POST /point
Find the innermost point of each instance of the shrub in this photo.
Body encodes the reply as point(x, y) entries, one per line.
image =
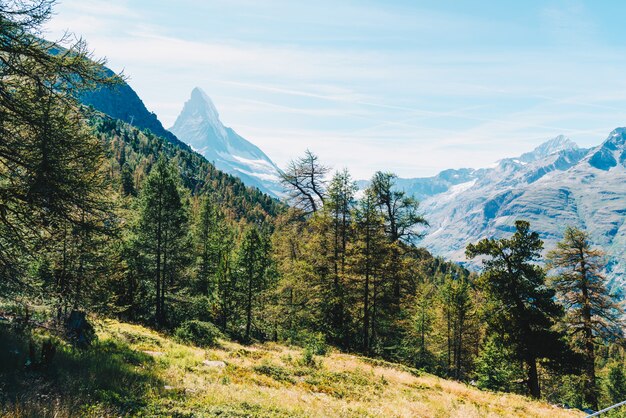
point(308, 357)
point(274, 371)
point(199, 333)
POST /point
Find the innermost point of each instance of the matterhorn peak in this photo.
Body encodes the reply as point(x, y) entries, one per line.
point(200, 105)
point(199, 126)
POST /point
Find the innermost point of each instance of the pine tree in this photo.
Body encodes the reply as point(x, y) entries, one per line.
point(208, 237)
point(496, 366)
point(369, 250)
point(456, 305)
point(421, 327)
point(253, 264)
point(525, 307)
point(401, 216)
point(162, 231)
point(616, 384)
point(339, 207)
point(592, 313)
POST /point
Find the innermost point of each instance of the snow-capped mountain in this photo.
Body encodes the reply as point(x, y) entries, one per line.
point(556, 185)
point(199, 126)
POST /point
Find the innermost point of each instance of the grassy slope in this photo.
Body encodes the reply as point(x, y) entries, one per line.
point(162, 378)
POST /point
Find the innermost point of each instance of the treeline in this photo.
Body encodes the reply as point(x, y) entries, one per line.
point(97, 216)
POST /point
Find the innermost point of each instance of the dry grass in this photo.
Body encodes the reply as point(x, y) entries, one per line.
point(272, 381)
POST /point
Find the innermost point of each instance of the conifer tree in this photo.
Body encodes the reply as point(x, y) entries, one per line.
point(49, 160)
point(162, 231)
point(339, 207)
point(525, 310)
point(369, 250)
point(592, 313)
point(253, 267)
point(305, 181)
point(402, 218)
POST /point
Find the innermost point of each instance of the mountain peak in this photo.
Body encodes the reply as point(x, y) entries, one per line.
point(554, 145)
point(612, 150)
point(616, 139)
point(199, 125)
point(201, 103)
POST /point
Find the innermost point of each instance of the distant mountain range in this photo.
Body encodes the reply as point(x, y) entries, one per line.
point(199, 126)
point(556, 185)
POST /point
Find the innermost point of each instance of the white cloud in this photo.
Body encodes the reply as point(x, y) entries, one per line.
point(415, 108)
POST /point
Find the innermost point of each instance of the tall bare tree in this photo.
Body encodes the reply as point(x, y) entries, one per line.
point(305, 181)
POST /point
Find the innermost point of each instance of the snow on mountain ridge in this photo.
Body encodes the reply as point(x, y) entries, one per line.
point(560, 185)
point(554, 145)
point(199, 125)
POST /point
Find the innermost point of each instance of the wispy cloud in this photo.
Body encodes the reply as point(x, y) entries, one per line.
point(369, 85)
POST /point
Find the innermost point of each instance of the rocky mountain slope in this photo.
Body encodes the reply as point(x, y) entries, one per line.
point(122, 102)
point(199, 126)
point(556, 185)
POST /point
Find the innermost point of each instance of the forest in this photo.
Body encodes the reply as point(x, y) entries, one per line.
point(101, 219)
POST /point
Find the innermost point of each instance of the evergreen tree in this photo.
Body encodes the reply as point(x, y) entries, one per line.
point(253, 267)
point(401, 216)
point(49, 160)
point(616, 383)
point(339, 207)
point(162, 231)
point(421, 327)
point(456, 306)
point(592, 313)
point(208, 237)
point(496, 366)
point(525, 307)
point(369, 250)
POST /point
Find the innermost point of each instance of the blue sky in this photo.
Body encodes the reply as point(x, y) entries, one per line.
point(408, 86)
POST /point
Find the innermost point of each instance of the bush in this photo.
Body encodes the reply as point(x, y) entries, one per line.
point(199, 333)
point(308, 357)
point(275, 371)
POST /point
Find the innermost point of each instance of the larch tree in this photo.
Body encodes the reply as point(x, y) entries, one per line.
point(339, 206)
point(368, 254)
point(402, 218)
point(456, 304)
point(49, 160)
point(162, 230)
point(305, 182)
point(592, 312)
point(253, 266)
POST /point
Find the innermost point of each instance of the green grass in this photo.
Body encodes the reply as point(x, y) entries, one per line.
point(134, 371)
point(108, 378)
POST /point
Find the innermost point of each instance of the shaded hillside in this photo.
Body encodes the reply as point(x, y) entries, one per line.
point(134, 151)
point(122, 102)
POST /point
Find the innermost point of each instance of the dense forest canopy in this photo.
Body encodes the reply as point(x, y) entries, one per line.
point(98, 216)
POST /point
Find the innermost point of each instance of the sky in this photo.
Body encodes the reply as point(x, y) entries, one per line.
point(412, 87)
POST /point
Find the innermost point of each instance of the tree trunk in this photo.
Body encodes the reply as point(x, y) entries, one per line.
point(366, 295)
point(533, 378)
point(249, 307)
point(590, 391)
